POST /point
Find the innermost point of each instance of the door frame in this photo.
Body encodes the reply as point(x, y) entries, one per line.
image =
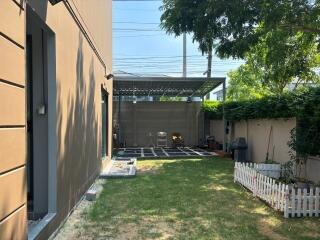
point(104, 93)
point(51, 111)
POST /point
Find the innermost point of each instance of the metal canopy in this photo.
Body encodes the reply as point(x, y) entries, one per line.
point(164, 86)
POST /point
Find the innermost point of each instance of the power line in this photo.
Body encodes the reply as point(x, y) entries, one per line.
point(166, 72)
point(138, 23)
point(191, 61)
point(152, 57)
point(136, 0)
point(137, 36)
point(199, 67)
point(136, 9)
point(198, 60)
point(138, 30)
point(170, 65)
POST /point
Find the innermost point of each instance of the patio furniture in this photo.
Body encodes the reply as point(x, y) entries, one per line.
point(150, 136)
point(162, 139)
point(177, 140)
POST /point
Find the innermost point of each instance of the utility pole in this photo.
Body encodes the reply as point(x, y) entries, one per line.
point(209, 68)
point(184, 74)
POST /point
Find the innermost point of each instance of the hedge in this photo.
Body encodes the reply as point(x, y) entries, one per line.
point(305, 103)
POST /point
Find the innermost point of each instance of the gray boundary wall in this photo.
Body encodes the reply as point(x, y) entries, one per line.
point(142, 118)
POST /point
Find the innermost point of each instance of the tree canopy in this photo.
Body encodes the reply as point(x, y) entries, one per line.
point(238, 25)
point(276, 61)
point(245, 84)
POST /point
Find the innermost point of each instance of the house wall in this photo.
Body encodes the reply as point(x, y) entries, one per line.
point(142, 118)
point(80, 75)
point(81, 68)
point(13, 192)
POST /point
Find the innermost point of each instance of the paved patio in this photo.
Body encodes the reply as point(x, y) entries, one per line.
point(151, 153)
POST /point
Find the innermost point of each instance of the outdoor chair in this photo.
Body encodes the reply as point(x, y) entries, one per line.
point(162, 139)
point(177, 140)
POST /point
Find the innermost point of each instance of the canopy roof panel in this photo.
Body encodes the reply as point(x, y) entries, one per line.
point(164, 86)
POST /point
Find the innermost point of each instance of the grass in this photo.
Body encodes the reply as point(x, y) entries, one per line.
point(187, 199)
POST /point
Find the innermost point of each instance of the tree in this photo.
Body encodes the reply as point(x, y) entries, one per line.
point(236, 25)
point(281, 58)
point(245, 84)
point(275, 62)
point(305, 137)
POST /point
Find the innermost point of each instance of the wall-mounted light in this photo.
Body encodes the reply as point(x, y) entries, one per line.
point(109, 76)
point(53, 2)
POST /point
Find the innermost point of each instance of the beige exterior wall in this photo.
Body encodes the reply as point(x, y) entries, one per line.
point(142, 118)
point(256, 131)
point(80, 75)
point(81, 67)
point(89, 13)
point(13, 221)
point(313, 169)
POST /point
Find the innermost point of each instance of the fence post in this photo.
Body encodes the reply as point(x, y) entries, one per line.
point(305, 200)
point(293, 202)
point(273, 192)
point(254, 183)
point(299, 203)
point(311, 199)
point(283, 198)
point(316, 202)
point(235, 173)
point(286, 202)
point(278, 196)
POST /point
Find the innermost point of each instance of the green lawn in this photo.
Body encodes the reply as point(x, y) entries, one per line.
point(187, 199)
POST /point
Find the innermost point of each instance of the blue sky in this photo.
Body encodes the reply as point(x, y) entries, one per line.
point(141, 47)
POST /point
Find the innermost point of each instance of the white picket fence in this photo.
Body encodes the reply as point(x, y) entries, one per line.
point(292, 202)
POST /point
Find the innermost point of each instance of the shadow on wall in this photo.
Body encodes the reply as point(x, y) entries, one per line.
point(78, 161)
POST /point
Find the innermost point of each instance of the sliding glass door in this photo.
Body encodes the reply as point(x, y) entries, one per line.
point(104, 103)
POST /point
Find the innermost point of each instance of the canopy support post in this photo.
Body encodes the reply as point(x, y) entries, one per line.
point(224, 119)
point(119, 120)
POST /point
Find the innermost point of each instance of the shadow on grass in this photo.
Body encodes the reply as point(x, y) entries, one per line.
point(188, 199)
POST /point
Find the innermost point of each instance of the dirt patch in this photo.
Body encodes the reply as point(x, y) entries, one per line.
point(127, 231)
point(73, 227)
point(148, 227)
point(265, 228)
point(312, 235)
point(148, 170)
point(157, 226)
